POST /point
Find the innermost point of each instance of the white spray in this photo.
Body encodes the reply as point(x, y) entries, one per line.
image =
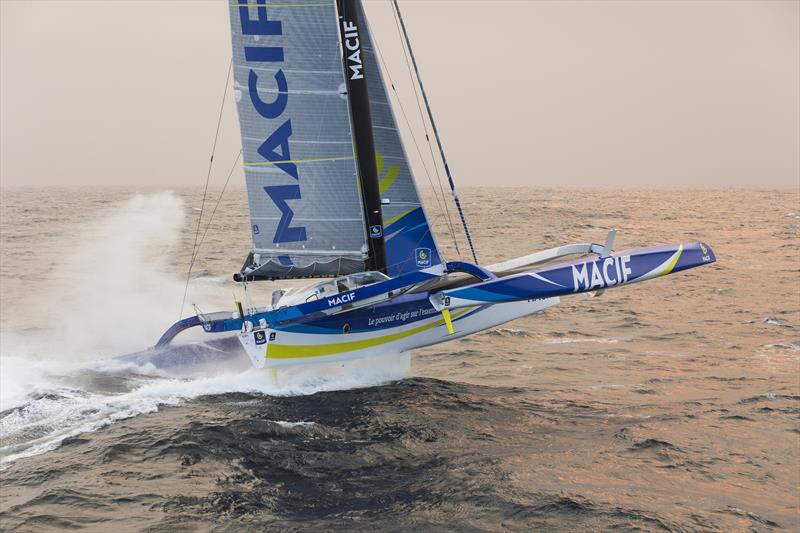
point(110, 292)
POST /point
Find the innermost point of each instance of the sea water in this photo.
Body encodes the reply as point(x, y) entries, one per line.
point(668, 405)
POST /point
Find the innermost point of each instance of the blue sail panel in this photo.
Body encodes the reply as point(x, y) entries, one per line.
point(410, 232)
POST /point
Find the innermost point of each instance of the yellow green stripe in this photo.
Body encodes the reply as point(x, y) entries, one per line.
point(672, 263)
point(398, 217)
point(391, 175)
point(379, 162)
point(288, 351)
point(388, 180)
point(310, 159)
point(284, 4)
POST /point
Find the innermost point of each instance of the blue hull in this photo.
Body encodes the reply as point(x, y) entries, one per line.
point(600, 273)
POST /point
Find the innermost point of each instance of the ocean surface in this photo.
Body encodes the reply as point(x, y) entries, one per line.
point(673, 405)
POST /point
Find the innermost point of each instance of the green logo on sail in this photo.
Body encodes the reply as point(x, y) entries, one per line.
point(423, 257)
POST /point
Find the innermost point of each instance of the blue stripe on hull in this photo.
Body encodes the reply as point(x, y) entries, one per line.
point(588, 275)
point(402, 310)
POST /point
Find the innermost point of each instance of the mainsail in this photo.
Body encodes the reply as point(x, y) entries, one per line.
point(302, 184)
point(307, 190)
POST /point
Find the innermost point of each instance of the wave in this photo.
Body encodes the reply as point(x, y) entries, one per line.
point(65, 400)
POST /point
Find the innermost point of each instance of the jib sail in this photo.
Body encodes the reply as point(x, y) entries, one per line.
point(410, 243)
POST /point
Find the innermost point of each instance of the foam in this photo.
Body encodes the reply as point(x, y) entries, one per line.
point(111, 294)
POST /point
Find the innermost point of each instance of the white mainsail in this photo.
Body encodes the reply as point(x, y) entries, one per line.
point(301, 176)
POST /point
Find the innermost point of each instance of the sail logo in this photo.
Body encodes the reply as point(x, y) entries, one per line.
point(423, 256)
point(275, 148)
point(341, 299)
point(353, 45)
point(606, 272)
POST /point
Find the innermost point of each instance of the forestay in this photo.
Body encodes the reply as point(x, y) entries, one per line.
point(302, 183)
point(410, 244)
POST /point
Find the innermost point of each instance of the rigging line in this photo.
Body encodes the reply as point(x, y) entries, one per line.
point(205, 189)
point(219, 199)
point(425, 128)
point(211, 160)
point(210, 219)
point(439, 202)
point(436, 133)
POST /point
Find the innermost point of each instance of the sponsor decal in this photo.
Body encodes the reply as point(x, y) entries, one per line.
point(605, 272)
point(423, 257)
point(353, 45)
point(375, 231)
point(341, 299)
point(275, 148)
point(706, 257)
point(256, 231)
point(272, 336)
point(392, 319)
point(260, 337)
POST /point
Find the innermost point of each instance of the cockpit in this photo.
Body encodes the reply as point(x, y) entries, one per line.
point(331, 287)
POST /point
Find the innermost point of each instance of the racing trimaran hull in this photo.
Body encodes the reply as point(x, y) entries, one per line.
point(400, 317)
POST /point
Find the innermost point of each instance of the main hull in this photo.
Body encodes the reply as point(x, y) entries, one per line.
point(383, 329)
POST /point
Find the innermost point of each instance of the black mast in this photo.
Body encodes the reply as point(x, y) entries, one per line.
point(355, 77)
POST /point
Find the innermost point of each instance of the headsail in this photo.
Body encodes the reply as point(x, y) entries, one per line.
point(410, 243)
point(302, 184)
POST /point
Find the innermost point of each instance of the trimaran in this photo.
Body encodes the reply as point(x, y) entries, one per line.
point(331, 195)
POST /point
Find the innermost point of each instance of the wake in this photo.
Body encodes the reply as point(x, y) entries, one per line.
point(112, 293)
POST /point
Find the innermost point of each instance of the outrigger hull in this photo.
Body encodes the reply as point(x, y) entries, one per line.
point(603, 272)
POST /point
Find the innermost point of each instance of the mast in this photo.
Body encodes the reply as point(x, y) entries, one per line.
point(363, 140)
point(435, 132)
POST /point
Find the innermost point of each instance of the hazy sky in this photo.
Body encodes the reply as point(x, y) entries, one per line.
point(538, 93)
